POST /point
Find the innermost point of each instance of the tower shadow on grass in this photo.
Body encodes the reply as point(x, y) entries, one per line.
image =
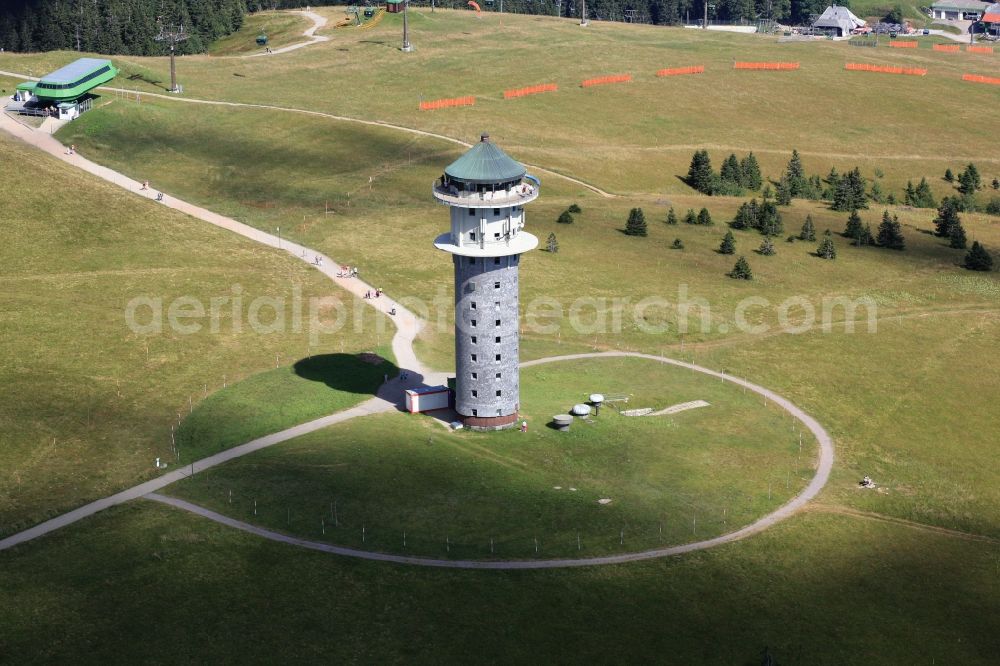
point(361, 373)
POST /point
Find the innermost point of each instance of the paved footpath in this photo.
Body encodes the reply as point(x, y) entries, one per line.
point(310, 33)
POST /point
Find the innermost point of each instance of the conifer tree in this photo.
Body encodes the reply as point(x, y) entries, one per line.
point(730, 170)
point(876, 194)
point(678, 244)
point(808, 232)
point(890, 234)
point(850, 192)
point(996, 183)
point(636, 225)
point(741, 271)
point(552, 245)
point(565, 217)
point(700, 174)
point(949, 176)
point(826, 249)
point(769, 220)
point(750, 177)
point(956, 237)
point(947, 217)
point(690, 217)
point(766, 247)
point(728, 245)
point(796, 175)
point(854, 228)
point(978, 259)
point(671, 216)
point(924, 197)
point(575, 209)
point(746, 216)
point(783, 192)
point(768, 193)
point(704, 217)
point(910, 196)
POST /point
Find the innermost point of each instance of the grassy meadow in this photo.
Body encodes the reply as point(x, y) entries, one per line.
point(903, 575)
point(87, 404)
point(281, 28)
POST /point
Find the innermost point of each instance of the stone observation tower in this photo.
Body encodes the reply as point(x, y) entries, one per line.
point(486, 191)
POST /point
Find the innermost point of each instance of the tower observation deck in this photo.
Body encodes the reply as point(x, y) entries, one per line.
point(486, 192)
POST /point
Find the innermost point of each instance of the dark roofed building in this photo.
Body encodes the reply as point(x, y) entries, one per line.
point(838, 21)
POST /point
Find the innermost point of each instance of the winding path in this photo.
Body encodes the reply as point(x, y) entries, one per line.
point(407, 327)
point(318, 22)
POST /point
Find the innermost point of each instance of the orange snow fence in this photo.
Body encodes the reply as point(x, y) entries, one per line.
point(976, 78)
point(530, 90)
point(602, 80)
point(885, 69)
point(903, 45)
point(979, 49)
point(783, 66)
point(447, 103)
point(949, 48)
point(676, 71)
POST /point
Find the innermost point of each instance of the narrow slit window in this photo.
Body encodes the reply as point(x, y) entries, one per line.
point(473, 339)
point(475, 393)
point(498, 393)
point(473, 357)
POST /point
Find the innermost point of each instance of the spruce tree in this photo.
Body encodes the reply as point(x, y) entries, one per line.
point(750, 177)
point(728, 245)
point(575, 209)
point(910, 197)
point(850, 192)
point(704, 218)
point(565, 217)
point(768, 192)
point(671, 216)
point(978, 259)
point(890, 234)
point(947, 217)
point(854, 229)
point(783, 192)
point(552, 245)
point(808, 232)
point(996, 183)
point(678, 244)
point(766, 247)
point(746, 216)
point(730, 170)
point(956, 237)
point(826, 249)
point(949, 176)
point(876, 194)
point(741, 271)
point(690, 218)
point(636, 225)
point(796, 175)
point(924, 197)
point(769, 220)
point(700, 174)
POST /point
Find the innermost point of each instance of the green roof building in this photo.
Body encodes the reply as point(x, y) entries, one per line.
point(484, 163)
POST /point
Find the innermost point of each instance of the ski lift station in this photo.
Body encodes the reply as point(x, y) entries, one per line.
point(65, 93)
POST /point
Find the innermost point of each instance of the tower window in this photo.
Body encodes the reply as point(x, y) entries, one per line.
point(475, 412)
point(498, 393)
point(473, 339)
point(496, 304)
point(498, 357)
point(475, 393)
point(473, 357)
point(472, 260)
point(496, 236)
point(496, 211)
point(496, 260)
point(473, 305)
point(496, 285)
point(472, 235)
point(497, 339)
point(473, 322)
point(498, 322)
point(472, 212)
point(498, 375)
point(475, 375)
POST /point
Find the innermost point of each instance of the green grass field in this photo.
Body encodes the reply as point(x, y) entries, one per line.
point(281, 29)
point(671, 479)
point(905, 575)
point(87, 403)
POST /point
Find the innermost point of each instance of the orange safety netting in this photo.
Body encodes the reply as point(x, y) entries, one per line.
point(903, 45)
point(784, 66)
point(601, 80)
point(530, 90)
point(950, 48)
point(979, 49)
point(885, 69)
point(447, 103)
point(976, 78)
point(675, 71)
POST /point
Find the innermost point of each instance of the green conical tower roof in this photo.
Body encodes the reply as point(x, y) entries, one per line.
point(485, 163)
